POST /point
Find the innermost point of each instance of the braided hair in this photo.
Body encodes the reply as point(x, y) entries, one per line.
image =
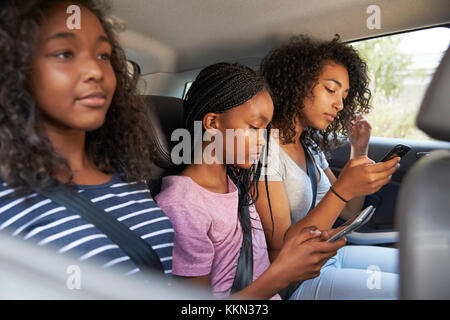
point(218, 88)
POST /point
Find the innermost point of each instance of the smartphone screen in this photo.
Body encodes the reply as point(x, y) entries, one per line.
point(352, 224)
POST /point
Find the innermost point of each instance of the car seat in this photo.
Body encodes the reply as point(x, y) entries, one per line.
point(166, 115)
point(423, 207)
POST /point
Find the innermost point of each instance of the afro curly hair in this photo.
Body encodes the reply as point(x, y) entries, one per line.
point(292, 71)
point(28, 161)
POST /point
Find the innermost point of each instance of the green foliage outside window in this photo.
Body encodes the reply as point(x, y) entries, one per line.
point(398, 83)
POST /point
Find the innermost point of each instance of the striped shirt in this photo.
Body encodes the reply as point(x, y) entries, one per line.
point(38, 219)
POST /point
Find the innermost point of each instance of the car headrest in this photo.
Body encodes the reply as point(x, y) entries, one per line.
point(434, 113)
point(166, 115)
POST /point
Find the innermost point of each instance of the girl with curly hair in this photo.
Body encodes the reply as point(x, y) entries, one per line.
point(320, 91)
point(70, 113)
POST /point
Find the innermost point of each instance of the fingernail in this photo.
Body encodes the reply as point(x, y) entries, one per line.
point(315, 231)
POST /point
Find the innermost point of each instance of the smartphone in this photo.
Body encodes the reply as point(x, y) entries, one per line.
point(353, 223)
point(398, 151)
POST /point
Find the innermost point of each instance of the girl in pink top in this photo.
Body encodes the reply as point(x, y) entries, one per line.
point(205, 202)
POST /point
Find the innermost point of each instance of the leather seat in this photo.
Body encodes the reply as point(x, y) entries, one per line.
point(166, 115)
point(423, 207)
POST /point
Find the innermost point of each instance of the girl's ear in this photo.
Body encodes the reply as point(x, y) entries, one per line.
point(211, 122)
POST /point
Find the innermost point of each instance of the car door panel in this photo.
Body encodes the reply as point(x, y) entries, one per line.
point(385, 199)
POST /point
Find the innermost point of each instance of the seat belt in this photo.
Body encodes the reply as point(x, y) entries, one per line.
point(244, 269)
point(139, 251)
point(311, 171)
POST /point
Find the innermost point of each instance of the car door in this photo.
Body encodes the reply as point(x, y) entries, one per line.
point(383, 220)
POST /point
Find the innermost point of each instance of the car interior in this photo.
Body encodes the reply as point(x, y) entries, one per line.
point(167, 76)
point(168, 43)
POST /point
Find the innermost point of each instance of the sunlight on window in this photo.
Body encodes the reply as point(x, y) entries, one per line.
point(186, 88)
point(401, 67)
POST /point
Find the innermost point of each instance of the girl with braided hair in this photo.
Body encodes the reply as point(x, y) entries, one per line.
point(319, 89)
point(205, 202)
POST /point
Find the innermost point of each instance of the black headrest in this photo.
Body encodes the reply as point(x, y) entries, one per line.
point(166, 114)
point(434, 113)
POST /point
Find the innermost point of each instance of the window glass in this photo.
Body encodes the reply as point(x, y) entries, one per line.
point(186, 88)
point(401, 67)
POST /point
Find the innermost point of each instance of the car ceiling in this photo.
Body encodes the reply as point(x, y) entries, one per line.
point(179, 35)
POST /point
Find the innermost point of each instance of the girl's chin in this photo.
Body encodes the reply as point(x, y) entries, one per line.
point(320, 127)
point(91, 126)
point(244, 165)
point(323, 125)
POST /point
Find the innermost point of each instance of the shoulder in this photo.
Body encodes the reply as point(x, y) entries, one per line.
point(273, 161)
point(319, 157)
point(4, 189)
point(174, 189)
point(7, 196)
point(180, 201)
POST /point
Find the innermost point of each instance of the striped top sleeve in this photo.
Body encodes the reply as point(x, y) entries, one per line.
point(38, 219)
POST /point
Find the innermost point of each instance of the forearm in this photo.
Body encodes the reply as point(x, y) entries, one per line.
point(355, 152)
point(353, 206)
point(273, 254)
point(264, 287)
point(323, 215)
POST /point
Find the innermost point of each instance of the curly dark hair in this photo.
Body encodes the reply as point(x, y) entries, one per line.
point(28, 161)
point(292, 71)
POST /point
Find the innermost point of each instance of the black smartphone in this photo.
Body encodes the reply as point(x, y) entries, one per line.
point(398, 151)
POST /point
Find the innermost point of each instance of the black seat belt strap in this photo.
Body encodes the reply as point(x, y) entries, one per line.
point(139, 251)
point(311, 170)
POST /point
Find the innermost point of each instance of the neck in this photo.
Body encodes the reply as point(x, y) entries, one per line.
point(210, 176)
point(299, 128)
point(298, 131)
point(70, 144)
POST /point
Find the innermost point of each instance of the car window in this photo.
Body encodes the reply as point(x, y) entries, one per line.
point(186, 88)
point(401, 67)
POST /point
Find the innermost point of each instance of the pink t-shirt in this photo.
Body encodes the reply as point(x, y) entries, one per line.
point(208, 235)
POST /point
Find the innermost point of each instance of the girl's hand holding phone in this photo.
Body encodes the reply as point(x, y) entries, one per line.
point(303, 255)
point(361, 176)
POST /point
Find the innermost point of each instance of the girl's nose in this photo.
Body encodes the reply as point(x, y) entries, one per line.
point(92, 70)
point(339, 104)
point(262, 137)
